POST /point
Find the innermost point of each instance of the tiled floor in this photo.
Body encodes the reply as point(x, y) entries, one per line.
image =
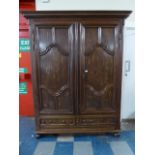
point(105, 144)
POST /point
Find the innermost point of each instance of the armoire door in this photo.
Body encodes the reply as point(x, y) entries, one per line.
point(55, 68)
point(97, 50)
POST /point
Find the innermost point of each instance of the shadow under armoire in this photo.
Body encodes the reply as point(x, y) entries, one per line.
point(76, 59)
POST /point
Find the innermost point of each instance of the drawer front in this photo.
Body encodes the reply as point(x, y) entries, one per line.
point(56, 122)
point(64, 122)
point(95, 121)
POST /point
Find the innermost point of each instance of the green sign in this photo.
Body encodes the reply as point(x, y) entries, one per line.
point(22, 70)
point(22, 88)
point(24, 45)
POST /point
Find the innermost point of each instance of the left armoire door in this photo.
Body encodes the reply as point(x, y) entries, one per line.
point(54, 65)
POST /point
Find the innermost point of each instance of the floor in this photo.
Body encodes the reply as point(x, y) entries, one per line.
point(105, 144)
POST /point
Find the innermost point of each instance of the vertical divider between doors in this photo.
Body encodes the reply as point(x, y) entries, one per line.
point(71, 66)
point(76, 51)
point(81, 65)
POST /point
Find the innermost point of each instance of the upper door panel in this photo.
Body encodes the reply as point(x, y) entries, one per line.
point(55, 69)
point(97, 69)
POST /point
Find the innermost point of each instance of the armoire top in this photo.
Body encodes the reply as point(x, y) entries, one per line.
point(87, 14)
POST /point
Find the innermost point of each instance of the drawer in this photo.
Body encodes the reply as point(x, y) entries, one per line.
point(95, 121)
point(56, 122)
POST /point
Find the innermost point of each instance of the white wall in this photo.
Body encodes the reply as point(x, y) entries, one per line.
point(128, 80)
point(128, 103)
point(88, 5)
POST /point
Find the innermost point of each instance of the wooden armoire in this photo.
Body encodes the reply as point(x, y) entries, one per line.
point(76, 59)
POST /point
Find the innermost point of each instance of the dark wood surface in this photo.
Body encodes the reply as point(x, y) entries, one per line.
point(77, 67)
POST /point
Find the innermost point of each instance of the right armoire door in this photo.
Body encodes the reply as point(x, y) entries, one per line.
point(100, 74)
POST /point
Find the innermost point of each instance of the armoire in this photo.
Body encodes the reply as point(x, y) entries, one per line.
point(76, 59)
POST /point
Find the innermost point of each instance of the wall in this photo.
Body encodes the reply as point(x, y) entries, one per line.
point(128, 96)
point(128, 81)
point(26, 106)
point(88, 5)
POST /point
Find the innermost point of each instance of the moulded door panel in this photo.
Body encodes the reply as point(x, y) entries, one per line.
point(97, 69)
point(55, 69)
